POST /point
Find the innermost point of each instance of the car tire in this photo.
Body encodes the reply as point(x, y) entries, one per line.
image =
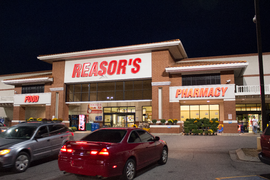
point(21, 162)
point(129, 171)
point(164, 156)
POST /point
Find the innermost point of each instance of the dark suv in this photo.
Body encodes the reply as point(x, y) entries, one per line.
point(26, 142)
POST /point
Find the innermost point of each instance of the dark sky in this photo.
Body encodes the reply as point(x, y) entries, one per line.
point(29, 28)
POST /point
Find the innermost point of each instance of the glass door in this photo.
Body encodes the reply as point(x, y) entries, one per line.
point(108, 120)
point(130, 120)
point(121, 121)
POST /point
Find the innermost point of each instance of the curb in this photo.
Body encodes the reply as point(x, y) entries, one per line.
point(241, 155)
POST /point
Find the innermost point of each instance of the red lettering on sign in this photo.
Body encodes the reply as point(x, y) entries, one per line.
point(201, 92)
point(224, 90)
point(85, 69)
point(122, 65)
point(76, 70)
point(178, 92)
point(94, 69)
point(217, 91)
point(31, 99)
point(196, 92)
point(113, 67)
point(103, 68)
point(136, 65)
point(211, 92)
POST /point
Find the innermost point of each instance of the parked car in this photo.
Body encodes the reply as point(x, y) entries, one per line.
point(112, 152)
point(3, 127)
point(26, 142)
point(264, 155)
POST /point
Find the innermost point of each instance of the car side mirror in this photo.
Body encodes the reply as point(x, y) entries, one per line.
point(156, 138)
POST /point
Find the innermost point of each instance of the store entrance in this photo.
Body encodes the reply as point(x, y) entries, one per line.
point(118, 120)
point(244, 121)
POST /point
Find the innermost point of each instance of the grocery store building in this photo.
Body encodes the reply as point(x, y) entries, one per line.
point(120, 86)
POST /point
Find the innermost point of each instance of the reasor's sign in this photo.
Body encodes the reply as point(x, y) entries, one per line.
point(31, 99)
point(109, 68)
point(201, 92)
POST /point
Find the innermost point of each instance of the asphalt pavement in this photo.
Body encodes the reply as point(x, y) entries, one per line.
point(240, 154)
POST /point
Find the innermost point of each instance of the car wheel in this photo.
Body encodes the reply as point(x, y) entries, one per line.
point(129, 170)
point(164, 156)
point(21, 162)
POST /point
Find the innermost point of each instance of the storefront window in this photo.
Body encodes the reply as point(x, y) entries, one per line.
point(204, 111)
point(194, 111)
point(147, 114)
point(33, 89)
point(249, 107)
point(184, 113)
point(107, 110)
point(107, 91)
point(214, 111)
point(199, 111)
point(190, 80)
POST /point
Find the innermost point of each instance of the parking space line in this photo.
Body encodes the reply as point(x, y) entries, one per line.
point(253, 177)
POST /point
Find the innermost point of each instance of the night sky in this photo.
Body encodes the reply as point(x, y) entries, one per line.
point(29, 28)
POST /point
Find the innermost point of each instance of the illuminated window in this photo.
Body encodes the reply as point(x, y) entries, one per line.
point(199, 111)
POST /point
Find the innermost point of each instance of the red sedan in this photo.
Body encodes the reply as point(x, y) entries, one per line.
point(264, 155)
point(112, 152)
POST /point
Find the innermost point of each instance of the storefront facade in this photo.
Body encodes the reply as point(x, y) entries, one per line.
point(119, 87)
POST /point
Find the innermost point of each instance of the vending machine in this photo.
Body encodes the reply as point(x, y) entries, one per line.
point(83, 119)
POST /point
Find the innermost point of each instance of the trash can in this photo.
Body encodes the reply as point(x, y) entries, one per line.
point(95, 126)
point(88, 126)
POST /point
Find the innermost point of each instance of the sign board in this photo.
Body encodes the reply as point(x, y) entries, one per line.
point(30, 99)
point(218, 91)
point(132, 66)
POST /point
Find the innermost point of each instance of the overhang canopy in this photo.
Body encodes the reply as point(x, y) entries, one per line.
point(207, 66)
point(174, 46)
point(29, 80)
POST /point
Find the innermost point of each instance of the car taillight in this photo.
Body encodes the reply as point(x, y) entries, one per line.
point(64, 149)
point(104, 152)
point(94, 152)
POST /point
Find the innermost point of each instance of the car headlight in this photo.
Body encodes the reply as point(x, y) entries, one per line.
point(4, 151)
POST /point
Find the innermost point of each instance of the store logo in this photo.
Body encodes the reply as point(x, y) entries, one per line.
point(106, 67)
point(201, 92)
point(31, 99)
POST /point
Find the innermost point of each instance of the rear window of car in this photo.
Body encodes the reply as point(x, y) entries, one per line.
point(112, 136)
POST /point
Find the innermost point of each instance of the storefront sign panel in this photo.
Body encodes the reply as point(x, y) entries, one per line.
point(132, 66)
point(221, 91)
point(30, 99)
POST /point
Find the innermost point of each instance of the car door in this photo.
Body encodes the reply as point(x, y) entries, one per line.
point(150, 148)
point(58, 134)
point(41, 143)
point(137, 147)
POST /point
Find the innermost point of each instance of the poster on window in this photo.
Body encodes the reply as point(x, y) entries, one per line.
point(94, 108)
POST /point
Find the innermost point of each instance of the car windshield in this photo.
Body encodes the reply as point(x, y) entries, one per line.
point(19, 132)
point(113, 136)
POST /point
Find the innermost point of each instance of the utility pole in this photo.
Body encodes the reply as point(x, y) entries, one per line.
point(256, 20)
